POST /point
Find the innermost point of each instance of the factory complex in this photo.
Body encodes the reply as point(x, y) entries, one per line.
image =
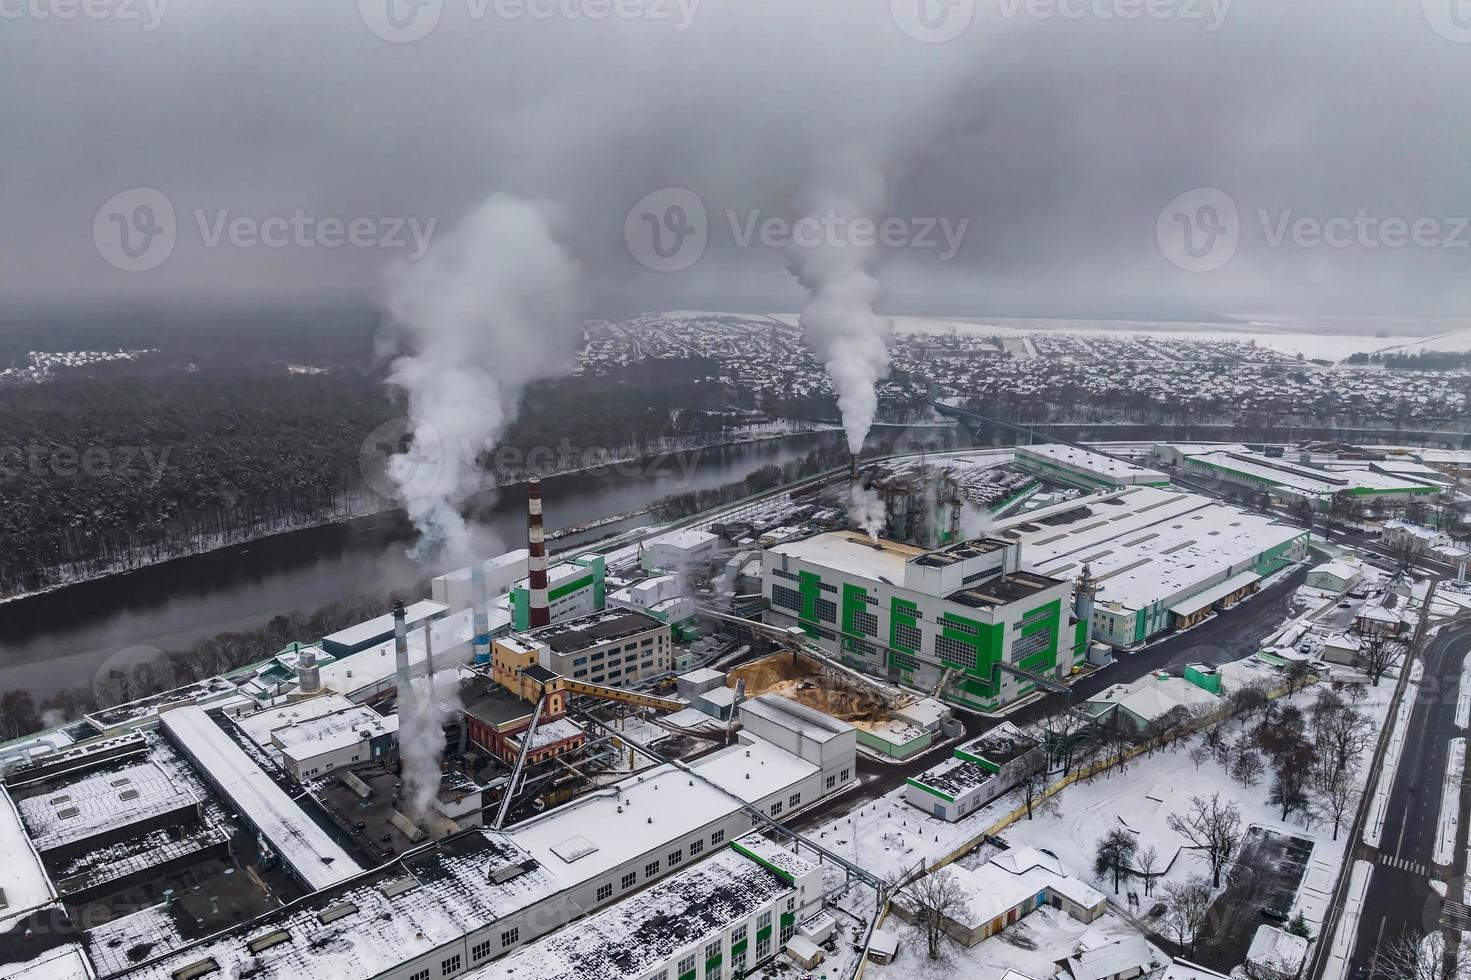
point(584, 767)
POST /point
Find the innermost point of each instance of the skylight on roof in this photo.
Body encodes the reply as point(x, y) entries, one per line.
point(574, 848)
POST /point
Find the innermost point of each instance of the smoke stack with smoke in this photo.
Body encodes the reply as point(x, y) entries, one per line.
point(405, 691)
point(839, 323)
point(487, 312)
point(480, 598)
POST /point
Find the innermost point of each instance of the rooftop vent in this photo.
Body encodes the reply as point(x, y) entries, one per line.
point(261, 943)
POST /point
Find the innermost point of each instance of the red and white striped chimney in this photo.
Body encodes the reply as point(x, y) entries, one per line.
point(536, 565)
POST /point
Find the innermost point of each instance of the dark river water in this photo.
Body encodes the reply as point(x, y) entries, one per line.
point(61, 639)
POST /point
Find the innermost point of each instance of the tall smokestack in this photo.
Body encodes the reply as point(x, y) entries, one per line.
point(536, 565)
point(480, 601)
point(429, 654)
point(853, 467)
point(401, 656)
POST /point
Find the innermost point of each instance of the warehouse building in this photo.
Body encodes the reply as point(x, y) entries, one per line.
point(355, 639)
point(723, 917)
point(979, 771)
point(966, 614)
point(1085, 469)
point(678, 549)
point(1296, 483)
point(574, 588)
point(1157, 559)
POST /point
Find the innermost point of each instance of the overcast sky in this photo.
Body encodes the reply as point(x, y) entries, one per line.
point(1050, 136)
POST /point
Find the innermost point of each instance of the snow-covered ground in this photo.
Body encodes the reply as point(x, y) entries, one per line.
point(1031, 946)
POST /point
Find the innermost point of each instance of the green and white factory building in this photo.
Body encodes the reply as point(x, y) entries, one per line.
point(913, 616)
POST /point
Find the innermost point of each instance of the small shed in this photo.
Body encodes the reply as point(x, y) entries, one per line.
point(883, 946)
point(804, 951)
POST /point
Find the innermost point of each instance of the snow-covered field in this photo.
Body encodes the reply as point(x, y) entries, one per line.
point(1032, 947)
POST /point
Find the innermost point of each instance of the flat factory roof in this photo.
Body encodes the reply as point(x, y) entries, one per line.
point(376, 628)
point(589, 631)
point(314, 855)
point(361, 928)
point(590, 837)
point(854, 552)
point(258, 725)
point(1305, 479)
point(638, 933)
point(1143, 544)
point(101, 801)
point(1092, 462)
point(26, 884)
point(332, 733)
point(376, 664)
point(808, 722)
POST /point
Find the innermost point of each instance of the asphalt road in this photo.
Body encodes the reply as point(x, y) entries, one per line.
point(1400, 899)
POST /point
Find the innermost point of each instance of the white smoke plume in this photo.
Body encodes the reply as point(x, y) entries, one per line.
point(975, 521)
point(490, 310)
point(421, 721)
point(866, 510)
point(839, 322)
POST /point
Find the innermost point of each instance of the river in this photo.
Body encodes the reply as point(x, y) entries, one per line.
point(64, 638)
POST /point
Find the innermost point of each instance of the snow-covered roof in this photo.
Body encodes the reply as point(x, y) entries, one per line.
point(306, 847)
point(797, 717)
point(851, 552)
point(1278, 950)
point(1152, 697)
point(1143, 545)
point(26, 885)
point(1340, 569)
point(379, 626)
point(258, 725)
point(684, 539)
point(552, 732)
point(657, 806)
point(785, 862)
point(363, 927)
point(332, 733)
point(451, 636)
point(1096, 463)
point(1119, 956)
point(1215, 593)
point(112, 797)
point(59, 963)
point(995, 888)
point(644, 931)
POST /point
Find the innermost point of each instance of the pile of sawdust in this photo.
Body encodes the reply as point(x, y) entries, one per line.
point(802, 680)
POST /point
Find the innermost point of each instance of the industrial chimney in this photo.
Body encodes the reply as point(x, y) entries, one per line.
point(429, 654)
point(536, 565)
point(480, 602)
point(401, 656)
point(853, 467)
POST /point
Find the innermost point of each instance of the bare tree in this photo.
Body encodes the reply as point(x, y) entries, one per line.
point(1116, 850)
point(1414, 956)
point(1061, 731)
point(1148, 862)
point(1378, 651)
point(1248, 699)
point(931, 901)
point(1291, 776)
point(1335, 794)
point(1213, 826)
point(1199, 753)
point(1187, 903)
point(18, 714)
point(1034, 782)
point(1342, 736)
point(1247, 766)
